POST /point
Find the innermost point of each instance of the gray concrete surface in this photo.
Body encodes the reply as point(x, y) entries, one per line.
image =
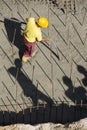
point(59, 70)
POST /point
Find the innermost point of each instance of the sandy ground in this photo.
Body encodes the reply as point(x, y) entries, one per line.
point(80, 125)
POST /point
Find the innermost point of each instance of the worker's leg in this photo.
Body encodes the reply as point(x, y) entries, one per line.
point(30, 48)
point(33, 49)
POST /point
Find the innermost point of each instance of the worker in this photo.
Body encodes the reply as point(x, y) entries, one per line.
point(31, 34)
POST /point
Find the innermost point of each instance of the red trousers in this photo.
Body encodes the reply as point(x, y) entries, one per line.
point(30, 47)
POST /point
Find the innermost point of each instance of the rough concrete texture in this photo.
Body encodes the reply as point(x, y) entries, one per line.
point(59, 70)
point(80, 125)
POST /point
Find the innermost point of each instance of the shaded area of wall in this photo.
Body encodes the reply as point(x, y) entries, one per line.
point(62, 113)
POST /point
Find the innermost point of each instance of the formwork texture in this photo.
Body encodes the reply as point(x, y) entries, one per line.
point(58, 72)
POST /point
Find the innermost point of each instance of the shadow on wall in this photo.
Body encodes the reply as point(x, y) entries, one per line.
point(78, 94)
point(43, 113)
point(62, 113)
point(29, 89)
point(13, 28)
point(83, 71)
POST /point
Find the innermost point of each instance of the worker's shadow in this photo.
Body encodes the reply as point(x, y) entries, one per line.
point(29, 89)
point(83, 71)
point(13, 28)
point(77, 94)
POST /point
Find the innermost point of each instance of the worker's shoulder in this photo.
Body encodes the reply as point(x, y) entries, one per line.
point(31, 19)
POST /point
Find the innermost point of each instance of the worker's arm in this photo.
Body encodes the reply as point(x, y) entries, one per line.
point(40, 38)
point(45, 39)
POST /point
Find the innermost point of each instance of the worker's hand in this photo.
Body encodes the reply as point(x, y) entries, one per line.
point(46, 40)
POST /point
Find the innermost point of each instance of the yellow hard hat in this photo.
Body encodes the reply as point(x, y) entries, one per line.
point(42, 22)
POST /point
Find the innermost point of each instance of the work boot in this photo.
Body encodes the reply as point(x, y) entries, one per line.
point(25, 58)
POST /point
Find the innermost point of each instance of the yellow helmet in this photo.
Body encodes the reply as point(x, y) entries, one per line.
point(42, 22)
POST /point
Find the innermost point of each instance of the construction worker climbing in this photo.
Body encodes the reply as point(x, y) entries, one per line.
point(31, 34)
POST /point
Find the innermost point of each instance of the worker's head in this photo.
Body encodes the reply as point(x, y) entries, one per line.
point(42, 22)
